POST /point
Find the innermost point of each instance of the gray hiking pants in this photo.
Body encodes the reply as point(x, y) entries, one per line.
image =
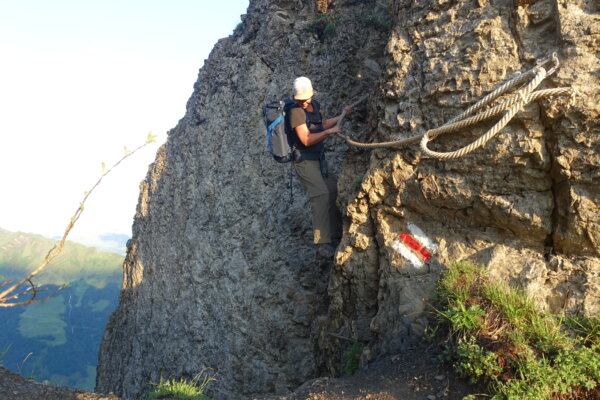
point(322, 192)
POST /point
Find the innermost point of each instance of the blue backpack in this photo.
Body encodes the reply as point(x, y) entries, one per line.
point(280, 141)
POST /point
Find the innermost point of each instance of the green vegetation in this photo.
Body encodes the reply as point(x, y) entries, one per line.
point(326, 26)
point(323, 26)
point(62, 347)
point(498, 336)
point(182, 389)
point(44, 322)
point(352, 357)
point(379, 22)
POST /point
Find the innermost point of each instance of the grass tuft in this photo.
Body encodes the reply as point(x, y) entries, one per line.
point(498, 336)
point(182, 389)
point(352, 357)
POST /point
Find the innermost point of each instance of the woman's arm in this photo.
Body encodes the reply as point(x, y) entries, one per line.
point(328, 123)
point(308, 139)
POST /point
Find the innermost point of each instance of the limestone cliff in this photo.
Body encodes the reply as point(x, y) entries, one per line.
point(220, 272)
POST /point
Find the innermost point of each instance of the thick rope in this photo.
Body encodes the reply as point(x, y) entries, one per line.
point(521, 100)
point(513, 104)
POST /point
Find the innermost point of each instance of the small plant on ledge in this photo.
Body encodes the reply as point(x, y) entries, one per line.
point(182, 389)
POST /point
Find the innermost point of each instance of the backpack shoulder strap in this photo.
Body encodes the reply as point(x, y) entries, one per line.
point(316, 105)
point(288, 105)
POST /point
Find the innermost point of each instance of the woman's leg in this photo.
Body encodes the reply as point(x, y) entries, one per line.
point(309, 173)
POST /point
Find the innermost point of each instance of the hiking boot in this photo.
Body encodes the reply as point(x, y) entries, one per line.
point(326, 250)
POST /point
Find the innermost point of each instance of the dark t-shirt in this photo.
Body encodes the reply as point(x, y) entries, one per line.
point(314, 121)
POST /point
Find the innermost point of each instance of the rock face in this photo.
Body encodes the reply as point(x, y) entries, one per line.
point(221, 273)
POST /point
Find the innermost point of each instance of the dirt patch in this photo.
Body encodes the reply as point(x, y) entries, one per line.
point(414, 374)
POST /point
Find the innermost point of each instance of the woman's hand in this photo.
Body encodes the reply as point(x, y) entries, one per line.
point(348, 109)
point(333, 130)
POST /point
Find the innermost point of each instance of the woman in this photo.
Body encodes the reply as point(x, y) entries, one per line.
point(311, 129)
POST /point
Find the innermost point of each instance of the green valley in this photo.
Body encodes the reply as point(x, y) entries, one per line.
point(58, 340)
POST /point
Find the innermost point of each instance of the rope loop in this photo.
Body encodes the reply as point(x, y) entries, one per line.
point(516, 104)
point(510, 107)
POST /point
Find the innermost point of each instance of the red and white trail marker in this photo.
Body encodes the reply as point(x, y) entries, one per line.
point(414, 246)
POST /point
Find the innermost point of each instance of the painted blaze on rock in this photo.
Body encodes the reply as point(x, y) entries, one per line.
point(415, 243)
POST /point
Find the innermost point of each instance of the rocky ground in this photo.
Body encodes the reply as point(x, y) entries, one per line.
point(15, 387)
point(411, 375)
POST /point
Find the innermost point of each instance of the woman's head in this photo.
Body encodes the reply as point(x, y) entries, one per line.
point(303, 89)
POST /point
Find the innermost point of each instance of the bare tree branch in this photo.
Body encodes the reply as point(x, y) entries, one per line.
point(32, 299)
point(8, 282)
point(9, 293)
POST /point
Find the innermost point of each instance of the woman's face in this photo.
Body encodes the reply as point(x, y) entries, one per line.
point(304, 103)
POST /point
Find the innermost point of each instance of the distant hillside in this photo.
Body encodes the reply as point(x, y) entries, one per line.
point(109, 242)
point(21, 252)
point(58, 340)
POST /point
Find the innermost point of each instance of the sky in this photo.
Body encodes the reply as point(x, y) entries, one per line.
point(80, 80)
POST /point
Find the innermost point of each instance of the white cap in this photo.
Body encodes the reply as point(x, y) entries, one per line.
point(303, 89)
